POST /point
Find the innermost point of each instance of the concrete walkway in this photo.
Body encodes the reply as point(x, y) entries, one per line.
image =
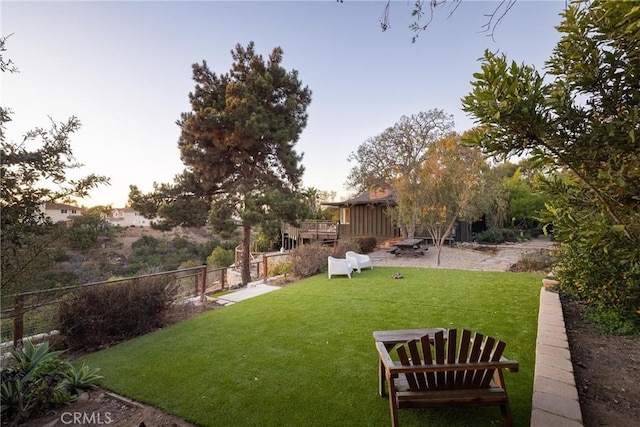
point(252, 290)
point(509, 254)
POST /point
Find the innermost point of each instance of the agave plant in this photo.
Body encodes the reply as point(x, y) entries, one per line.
point(37, 378)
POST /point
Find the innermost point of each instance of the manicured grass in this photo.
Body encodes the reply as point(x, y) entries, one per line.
point(304, 355)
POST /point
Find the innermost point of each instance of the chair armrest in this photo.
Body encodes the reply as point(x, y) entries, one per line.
point(384, 356)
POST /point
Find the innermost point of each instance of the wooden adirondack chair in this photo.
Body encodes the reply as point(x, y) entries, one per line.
point(443, 372)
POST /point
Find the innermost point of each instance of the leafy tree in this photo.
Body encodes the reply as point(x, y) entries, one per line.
point(398, 152)
point(85, 230)
point(33, 172)
point(185, 202)
point(583, 119)
point(221, 257)
point(313, 198)
point(493, 200)
point(525, 201)
point(449, 180)
point(239, 140)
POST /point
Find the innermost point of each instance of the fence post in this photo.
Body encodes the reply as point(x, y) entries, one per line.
point(18, 320)
point(204, 282)
point(264, 267)
point(223, 278)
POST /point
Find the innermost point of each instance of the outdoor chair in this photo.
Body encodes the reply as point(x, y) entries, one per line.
point(339, 266)
point(442, 372)
point(359, 261)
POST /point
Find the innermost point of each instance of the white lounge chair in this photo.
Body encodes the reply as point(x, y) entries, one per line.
point(339, 266)
point(359, 261)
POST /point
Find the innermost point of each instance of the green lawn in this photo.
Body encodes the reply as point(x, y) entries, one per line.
point(304, 355)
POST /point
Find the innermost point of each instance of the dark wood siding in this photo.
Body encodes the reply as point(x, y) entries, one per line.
point(369, 221)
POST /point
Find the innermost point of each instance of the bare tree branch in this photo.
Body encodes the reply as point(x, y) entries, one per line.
point(419, 11)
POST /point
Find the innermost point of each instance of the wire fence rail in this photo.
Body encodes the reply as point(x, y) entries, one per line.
point(35, 314)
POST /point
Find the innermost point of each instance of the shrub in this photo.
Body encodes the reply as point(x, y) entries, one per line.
point(367, 244)
point(94, 316)
point(221, 257)
point(308, 260)
point(60, 255)
point(605, 273)
point(278, 268)
point(343, 246)
point(496, 236)
point(189, 263)
point(37, 380)
point(541, 260)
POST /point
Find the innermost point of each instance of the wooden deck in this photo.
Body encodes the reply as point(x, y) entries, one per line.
point(312, 230)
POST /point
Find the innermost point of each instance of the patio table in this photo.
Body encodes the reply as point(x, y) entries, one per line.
point(409, 247)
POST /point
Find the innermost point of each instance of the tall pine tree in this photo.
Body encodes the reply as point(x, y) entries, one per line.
point(239, 140)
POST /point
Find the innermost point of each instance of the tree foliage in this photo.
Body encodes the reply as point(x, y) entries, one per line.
point(182, 203)
point(583, 118)
point(397, 153)
point(33, 172)
point(238, 141)
point(449, 181)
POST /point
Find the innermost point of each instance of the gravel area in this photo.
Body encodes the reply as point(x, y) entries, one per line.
point(463, 256)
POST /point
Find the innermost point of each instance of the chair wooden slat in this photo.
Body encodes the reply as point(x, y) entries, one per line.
point(404, 359)
point(463, 354)
point(485, 355)
point(416, 359)
point(451, 357)
point(428, 360)
point(439, 346)
point(496, 356)
point(473, 357)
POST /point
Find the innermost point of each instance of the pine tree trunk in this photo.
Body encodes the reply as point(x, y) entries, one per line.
point(246, 254)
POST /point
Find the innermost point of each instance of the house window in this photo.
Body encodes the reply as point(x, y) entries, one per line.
point(345, 215)
point(73, 212)
point(63, 211)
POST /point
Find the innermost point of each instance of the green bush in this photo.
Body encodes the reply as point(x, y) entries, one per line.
point(308, 260)
point(167, 254)
point(60, 255)
point(221, 257)
point(497, 236)
point(605, 273)
point(94, 316)
point(37, 380)
point(367, 244)
point(278, 268)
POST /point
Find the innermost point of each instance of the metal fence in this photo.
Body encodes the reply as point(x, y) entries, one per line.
point(30, 314)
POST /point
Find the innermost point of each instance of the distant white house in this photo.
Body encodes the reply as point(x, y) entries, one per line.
point(58, 212)
point(127, 216)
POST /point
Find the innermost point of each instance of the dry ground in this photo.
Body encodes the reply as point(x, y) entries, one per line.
point(607, 370)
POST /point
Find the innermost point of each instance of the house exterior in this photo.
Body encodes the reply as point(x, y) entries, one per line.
point(366, 215)
point(126, 217)
point(60, 212)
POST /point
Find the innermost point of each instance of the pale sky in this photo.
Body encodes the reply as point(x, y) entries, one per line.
point(124, 69)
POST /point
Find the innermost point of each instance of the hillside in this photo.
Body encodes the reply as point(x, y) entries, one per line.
point(112, 255)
